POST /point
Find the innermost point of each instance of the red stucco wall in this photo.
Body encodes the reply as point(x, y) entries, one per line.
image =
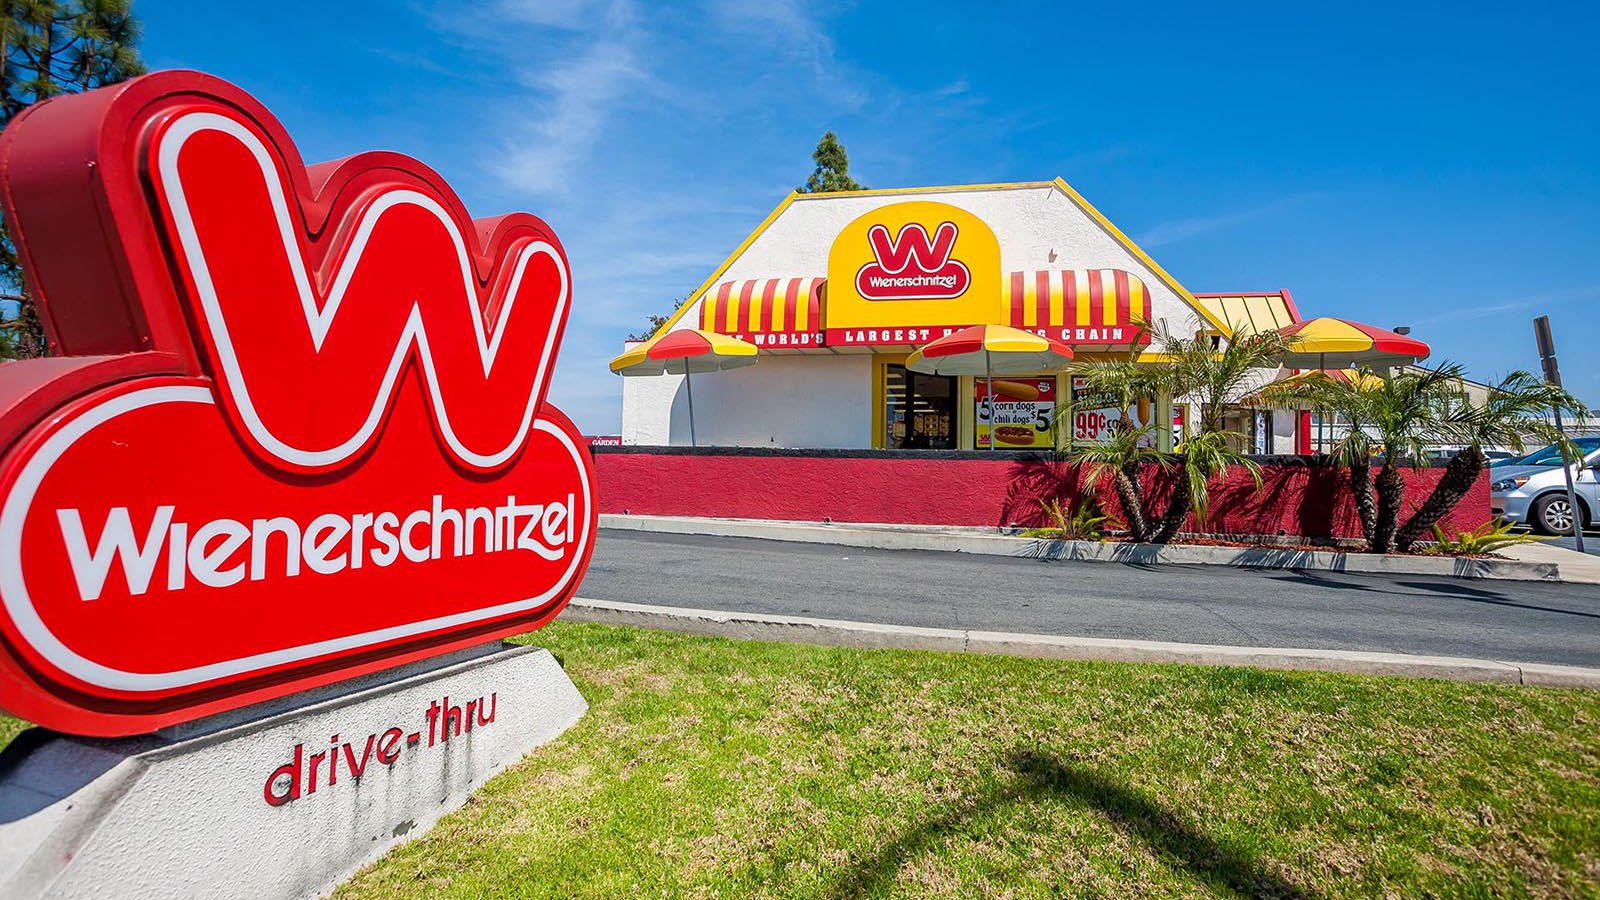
point(1299, 500)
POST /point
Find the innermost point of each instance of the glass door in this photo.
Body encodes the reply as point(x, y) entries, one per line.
point(919, 410)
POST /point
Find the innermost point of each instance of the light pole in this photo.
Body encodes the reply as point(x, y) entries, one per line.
point(1552, 375)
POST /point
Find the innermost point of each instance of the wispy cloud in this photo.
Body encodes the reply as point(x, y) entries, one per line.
point(1183, 229)
point(570, 14)
point(568, 106)
point(789, 30)
point(1100, 156)
point(1495, 307)
point(653, 138)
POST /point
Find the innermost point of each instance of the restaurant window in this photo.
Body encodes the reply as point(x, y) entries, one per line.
point(919, 410)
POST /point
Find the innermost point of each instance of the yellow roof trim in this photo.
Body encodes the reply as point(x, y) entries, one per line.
point(1059, 184)
point(699, 292)
point(1136, 250)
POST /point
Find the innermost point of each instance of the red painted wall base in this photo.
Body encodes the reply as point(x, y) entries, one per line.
point(1295, 498)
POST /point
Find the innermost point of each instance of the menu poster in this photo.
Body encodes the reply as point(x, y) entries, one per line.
point(1021, 414)
point(1095, 415)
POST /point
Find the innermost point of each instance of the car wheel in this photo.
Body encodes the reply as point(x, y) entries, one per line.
point(1552, 514)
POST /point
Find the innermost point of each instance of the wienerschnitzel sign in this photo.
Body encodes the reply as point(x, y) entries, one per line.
point(296, 428)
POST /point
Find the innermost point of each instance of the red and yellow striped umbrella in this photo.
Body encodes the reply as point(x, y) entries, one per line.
point(1324, 342)
point(682, 352)
point(1362, 379)
point(987, 349)
point(685, 353)
point(990, 349)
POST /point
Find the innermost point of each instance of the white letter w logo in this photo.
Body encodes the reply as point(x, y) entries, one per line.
point(313, 306)
point(912, 245)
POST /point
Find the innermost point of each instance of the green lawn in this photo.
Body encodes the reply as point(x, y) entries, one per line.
point(9, 728)
point(715, 768)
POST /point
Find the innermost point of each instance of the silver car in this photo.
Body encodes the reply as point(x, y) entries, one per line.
point(1534, 492)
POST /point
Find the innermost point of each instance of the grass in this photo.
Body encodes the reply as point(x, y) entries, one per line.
point(10, 728)
point(715, 768)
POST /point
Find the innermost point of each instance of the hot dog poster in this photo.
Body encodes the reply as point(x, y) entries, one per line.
point(1093, 417)
point(1022, 412)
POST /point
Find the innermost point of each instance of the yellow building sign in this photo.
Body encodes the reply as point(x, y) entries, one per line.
point(908, 273)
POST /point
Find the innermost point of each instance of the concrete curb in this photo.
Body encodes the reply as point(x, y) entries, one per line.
point(868, 635)
point(988, 542)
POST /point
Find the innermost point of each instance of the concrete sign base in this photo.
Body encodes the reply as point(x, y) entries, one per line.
point(278, 801)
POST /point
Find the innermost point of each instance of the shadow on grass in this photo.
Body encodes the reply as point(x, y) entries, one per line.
point(1038, 776)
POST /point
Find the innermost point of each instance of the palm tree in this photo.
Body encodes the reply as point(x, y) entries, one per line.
point(1122, 457)
point(1121, 382)
point(1199, 459)
point(1355, 450)
point(1216, 375)
point(1408, 412)
point(1513, 410)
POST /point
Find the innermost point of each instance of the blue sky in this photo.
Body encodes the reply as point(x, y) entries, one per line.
point(1433, 165)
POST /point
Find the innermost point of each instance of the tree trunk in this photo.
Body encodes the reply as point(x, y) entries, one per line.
point(1177, 509)
point(1135, 481)
point(1361, 489)
point(1391, 491)
point(1132, 507)
point(1459, 477)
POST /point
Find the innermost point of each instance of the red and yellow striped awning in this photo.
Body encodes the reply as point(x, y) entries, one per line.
point(1094, 306)
point(767, 312)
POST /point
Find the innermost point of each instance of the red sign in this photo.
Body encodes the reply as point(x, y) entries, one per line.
point(913, 266)
point(295, 430)
point(860, 337)
point(770, 340)
point(1021, 414)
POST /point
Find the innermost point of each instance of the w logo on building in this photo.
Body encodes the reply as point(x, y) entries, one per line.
point(913, 266)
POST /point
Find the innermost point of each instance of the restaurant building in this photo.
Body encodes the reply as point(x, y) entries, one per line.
point(836, 290)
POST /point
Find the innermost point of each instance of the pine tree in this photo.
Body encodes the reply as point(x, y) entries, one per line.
point(47, 48)
point(833, 168)
point(656, 322)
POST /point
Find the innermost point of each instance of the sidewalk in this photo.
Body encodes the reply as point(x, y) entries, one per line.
point(1575, 567)
point(1533, 562)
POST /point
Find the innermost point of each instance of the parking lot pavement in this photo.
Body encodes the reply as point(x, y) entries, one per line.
point(1591, 542)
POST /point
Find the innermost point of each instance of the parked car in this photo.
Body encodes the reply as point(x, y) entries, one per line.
point(1544, 456)
point(1534, 492)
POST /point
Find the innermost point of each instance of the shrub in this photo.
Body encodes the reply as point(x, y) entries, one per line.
point(1082, 524)
point(1480, 541)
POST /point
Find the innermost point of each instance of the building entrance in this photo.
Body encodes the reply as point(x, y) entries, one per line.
point(919, 410)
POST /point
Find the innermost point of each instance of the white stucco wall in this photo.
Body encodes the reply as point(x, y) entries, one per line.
point(782, 401)
point(825, 400)
point(647, 409)
point(1283, 430)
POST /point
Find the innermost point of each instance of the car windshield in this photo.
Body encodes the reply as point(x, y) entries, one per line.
point(1551, 455)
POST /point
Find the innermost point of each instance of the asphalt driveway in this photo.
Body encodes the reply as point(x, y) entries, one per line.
point(1503, 620)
